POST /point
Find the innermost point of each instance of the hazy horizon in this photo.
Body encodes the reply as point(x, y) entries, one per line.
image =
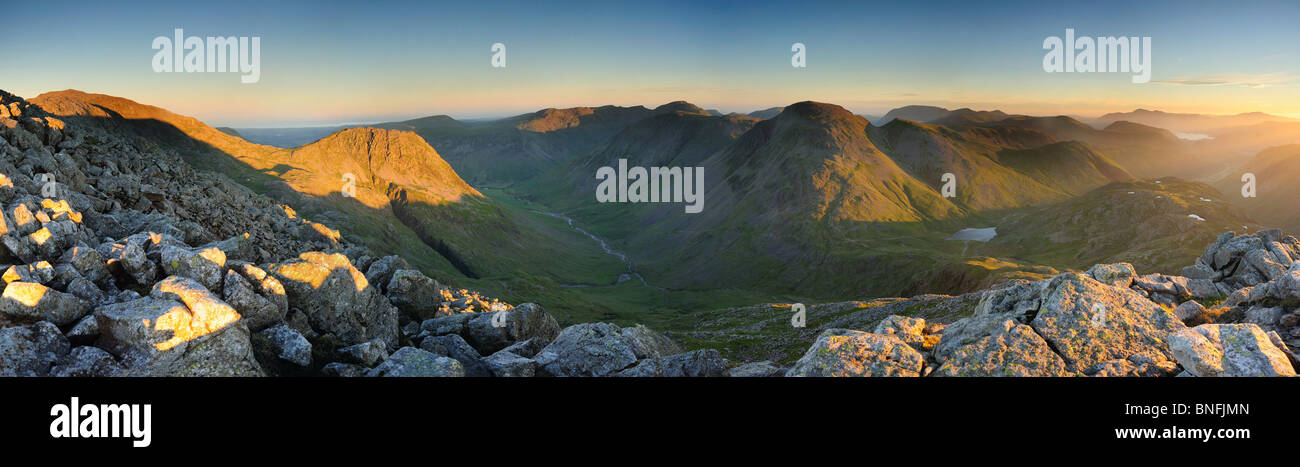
point(323, 64)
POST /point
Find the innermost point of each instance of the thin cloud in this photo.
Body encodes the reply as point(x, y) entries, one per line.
point(1242, 80)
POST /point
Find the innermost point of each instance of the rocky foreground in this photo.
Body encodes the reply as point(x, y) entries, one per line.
point(121, 260)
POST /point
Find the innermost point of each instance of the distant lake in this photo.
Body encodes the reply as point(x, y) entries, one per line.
point(978, 235)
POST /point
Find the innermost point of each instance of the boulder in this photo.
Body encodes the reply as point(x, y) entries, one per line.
point(258, 312)
point(1118, 274)
point(381, 270)
point(157, 336)
point(589, 349)
point(416, 295)
point(527, 321)
point(88, 361)
point(1088, 322)
point(505, 364)
point(763, 369)
point(205, 266)
point(454, 346)
point(367, 354)
point(993, 345)
point(413, 362)
point(344, 370)
point(338, 299)
point(29, 301)
point(912, 331)
point(31, 350)
point(1229, 350)
point(695, 364)
point(288, 344)
point(842, 352)
point(646, 343)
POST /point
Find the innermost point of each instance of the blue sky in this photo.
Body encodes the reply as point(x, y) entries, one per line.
point(333, 62)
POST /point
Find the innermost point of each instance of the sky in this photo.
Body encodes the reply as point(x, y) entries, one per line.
point(328, 63)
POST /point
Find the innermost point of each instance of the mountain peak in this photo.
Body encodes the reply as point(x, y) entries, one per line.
point(682, 107)
point(817, 110)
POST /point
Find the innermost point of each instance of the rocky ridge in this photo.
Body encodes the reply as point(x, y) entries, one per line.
point(119, 259)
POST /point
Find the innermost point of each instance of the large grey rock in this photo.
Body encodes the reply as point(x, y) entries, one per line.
point(647, 343)
point(338, 299)
point(131, 259)
point(258, 312)
point(589, 349)
point(454, 346)
point(382, 269)
point(343, 370)
point(88, 262)
point(842, 352)
point(29, 301)
point(911, 330)
point(163, 337)
point(1088, 322)
point(1117, 274)
point(694, 364)
point(367, 354)
point(416, 295)
point(266, 284)
point(1188, 310)
point(205, 266)
point(31, 350)
point(993, 345)
point(1136, 365)
point(88, 361)
point(413, 362)
point(290, 346)
point(505, 364)
point(1229, 350)
point(763, 369)
point(526, 321)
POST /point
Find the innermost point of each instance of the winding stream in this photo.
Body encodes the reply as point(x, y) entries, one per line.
point(624, 277)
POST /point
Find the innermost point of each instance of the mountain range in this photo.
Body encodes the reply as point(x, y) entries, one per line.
point(808, 202)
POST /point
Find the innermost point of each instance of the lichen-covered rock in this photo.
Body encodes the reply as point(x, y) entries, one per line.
point(1136, 365)
point(763, 369)
point(647, 343)
point(413, 362)
point(343, 370)
point(842, 352)
point(88, 262)
point(88, 361)
point(205, 266)
point(454, 346)
point(367, 354)
point(338, 299)
point(155, 336)
point(505, 364)
point(993, 345)
point(258, 312)
point(31, 350)
point(416, 295)
point(526, 321)
point(289, 345)
point(911, 330)
point(381, 270)
point(266, 285)
point(29, 301)
point(1118, 274)
point(1229, 350)
point(589, 349)
point(694, 364)
point(1088, 322)
point(130, 258)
